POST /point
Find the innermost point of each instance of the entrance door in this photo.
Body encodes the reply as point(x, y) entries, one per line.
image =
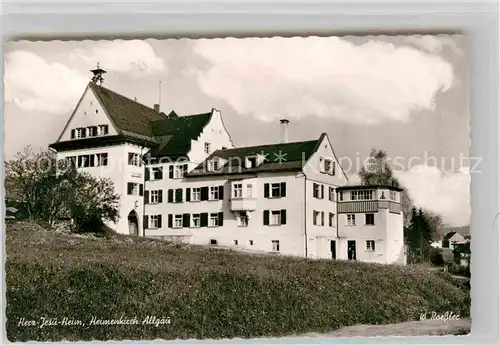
point(133, 228)
point(333, 249)
point(351, 250)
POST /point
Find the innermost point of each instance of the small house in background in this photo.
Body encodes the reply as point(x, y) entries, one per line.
point(449, 237)
point(452, 240)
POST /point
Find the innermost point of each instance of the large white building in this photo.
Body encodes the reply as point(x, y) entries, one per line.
point(180, 178)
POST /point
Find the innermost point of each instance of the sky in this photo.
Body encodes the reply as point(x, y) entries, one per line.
point(407, 95)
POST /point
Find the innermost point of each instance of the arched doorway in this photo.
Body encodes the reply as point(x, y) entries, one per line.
point(133, 227)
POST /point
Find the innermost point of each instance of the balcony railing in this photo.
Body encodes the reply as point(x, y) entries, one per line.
point(243, 204)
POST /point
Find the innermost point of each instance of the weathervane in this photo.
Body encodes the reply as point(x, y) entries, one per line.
point(98, 72)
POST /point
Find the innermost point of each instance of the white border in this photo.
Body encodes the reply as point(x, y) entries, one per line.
point(97, 19)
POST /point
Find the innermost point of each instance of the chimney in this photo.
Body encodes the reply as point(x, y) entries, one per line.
point(284, 130)
point(156, 107)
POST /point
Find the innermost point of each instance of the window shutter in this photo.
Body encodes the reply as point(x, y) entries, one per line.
point(204, 219)
point(221, 218)
point(72, 134)
point(170, 221)
point(130, 187)
point(315, 213)
point(146, 197)
point(178, 195)
point(266, 190)
point(266, 217)
point(333, 168)
point(186, 217)
point(221, 192)
point(145, 222)
point(322, 191)
point(146, 174)
point(283, 189)
point(330, 219)
point(322, 218)
point(315, 190)
point(171, 171)
point(170, 196)
point(130, 158)
point(160, 195)
point(160, 173)
point(159, 221)
point(185, 168)
point(141, 189)
point(283, 217)
point(105, 129)
point(204, 193)
point(188, 194)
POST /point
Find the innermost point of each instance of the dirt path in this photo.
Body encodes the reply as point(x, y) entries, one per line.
point(414, 328)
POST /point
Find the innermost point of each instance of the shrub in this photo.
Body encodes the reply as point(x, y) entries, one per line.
point(436, 257)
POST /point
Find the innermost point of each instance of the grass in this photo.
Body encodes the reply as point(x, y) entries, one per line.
point(206, 293)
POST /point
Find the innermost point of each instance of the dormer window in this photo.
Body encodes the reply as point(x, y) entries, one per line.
point(92, 130)
point(103, 129)
point(213, 165)
point(250, 162)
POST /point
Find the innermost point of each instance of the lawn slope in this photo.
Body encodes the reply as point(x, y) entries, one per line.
point(206, 293)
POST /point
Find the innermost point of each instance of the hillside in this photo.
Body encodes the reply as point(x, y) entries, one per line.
point(205, 293)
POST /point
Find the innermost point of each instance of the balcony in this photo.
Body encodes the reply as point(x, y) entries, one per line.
point(243, 204)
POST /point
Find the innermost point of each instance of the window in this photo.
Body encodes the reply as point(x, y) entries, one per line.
point(341, 196)
point(275, 190)
point(250, 161)
point(392, 195)
point(362, 195)
point(243, 219)
point(370, 219)
point(178, 221)
point(214, 193)
point(196, 194)
point(331, 193)
point(331, 219)
point(318, 191)
point(319, 218)
point(237, 190)
point(276, 245)
point(102, 159)
point(351, 219)
point(155, 221)
point(207, 147)
point(103, 129)
point(92, 130)
point(213, 165)
point(134, 159)
point(81, 132)
point(196, 220)
point(214, 219)
point(179, 171)
point(275, 218)
point(157, 173)
point(249, 190)
point(370, 245)
point(235, 242)
point(153, 196)
point(250, 242)
point(329, 167)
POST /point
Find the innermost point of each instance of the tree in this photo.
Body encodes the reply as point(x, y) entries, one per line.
point(47, 189)
point(379, 173)
point(418, 236)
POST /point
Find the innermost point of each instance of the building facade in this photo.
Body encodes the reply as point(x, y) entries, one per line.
point(181, 179)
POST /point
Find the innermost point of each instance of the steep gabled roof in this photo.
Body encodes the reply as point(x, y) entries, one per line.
point(449, 235)
point(278, 157)
point(128, 115)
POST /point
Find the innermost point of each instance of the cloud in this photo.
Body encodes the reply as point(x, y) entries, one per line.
point(433, 44)
point(121, 56)
point(34, 84)
point(327, 77)
point(446, 194)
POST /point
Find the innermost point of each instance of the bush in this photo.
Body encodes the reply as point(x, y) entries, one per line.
point(459, 270)
point(207, 293)
point(436, 257)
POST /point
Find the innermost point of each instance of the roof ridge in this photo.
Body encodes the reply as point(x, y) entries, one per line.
point(265, 145)
point(123, 96)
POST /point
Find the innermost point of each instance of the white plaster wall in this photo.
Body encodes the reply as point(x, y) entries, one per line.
point(395, 238)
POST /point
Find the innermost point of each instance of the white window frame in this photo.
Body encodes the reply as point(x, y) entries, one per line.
point(392, 195)
point(370, 245)
point(237, 190)
point(373, 215)
point(135, 159)
point(316, 217)
point(153, 221)
point(196, 220)
point(274, 187)
point(178, 171)
point(177, 223)
point(213, 165)
point(275, 217)
point(80, 131)
point(154, 196)
point(249, 160)
point(275, 245)
point(249, 190)
point(213, 220)
point(214, 193)
point(196, 194)
point(243, 219)
point(351, 219)
point(100, 159)
point(101, 129)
